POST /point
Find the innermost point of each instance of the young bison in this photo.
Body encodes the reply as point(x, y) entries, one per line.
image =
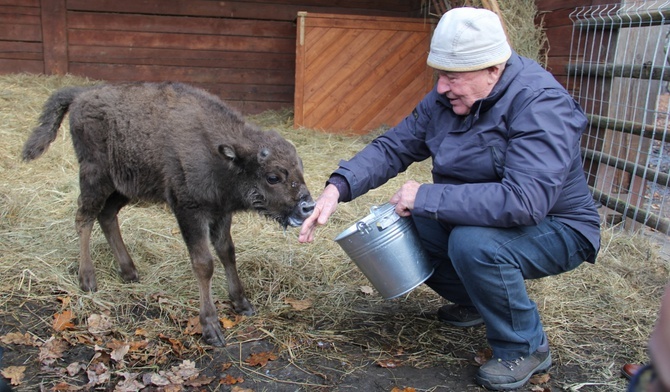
point(177, 144)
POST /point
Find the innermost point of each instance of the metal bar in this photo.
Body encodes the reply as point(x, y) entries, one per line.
point(629, 127)
point(628, 71)
point(646, 218)
point(627, 19)
point(629, 167)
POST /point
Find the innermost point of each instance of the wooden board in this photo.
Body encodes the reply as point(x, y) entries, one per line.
point(356, 73)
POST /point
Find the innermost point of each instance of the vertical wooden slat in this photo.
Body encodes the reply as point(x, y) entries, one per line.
point(298, 114)
point(54, 37)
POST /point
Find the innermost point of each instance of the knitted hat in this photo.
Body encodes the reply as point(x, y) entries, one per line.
point(468, 39)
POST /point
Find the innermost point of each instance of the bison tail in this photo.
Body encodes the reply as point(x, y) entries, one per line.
point(52, 115)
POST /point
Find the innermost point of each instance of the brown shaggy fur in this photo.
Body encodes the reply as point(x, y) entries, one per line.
point(176, 144)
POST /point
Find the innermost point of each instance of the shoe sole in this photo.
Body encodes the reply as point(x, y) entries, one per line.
point(463, 324)
point(542, 367)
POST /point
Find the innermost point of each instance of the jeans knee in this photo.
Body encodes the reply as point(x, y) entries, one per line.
point(469, 243)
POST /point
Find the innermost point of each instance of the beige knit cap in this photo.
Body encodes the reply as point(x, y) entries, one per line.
point(468, 39)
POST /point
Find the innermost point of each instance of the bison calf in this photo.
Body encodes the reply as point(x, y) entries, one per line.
point(177, 144)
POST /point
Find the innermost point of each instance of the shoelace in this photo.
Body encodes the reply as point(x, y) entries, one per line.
point(511, 363)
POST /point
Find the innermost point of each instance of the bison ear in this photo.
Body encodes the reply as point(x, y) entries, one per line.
point(263, 154)
point(227, 151)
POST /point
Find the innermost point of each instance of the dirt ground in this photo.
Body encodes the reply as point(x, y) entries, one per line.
point(348, 367)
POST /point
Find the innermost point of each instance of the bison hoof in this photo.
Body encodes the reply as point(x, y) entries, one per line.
point(214, 337)
point(244, 307)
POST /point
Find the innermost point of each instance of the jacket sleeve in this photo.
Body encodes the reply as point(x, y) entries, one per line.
point(544, 129)
point(389, 154)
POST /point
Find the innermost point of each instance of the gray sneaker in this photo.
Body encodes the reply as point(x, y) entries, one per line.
point(503, 375)
point(459, 315)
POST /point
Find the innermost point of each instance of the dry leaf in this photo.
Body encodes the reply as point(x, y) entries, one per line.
point(260, 359)
point(199, 381)
point(483, 356)
point(176, 344)
point(141, 332)
point(63, 321)
point(74, 368)
point(64, 387)
point(65, 301)
point(228, 323)
point(230, 380)
point(298, 304)
point(367, 290)
point(120, 352)
point(193, 326)
point(407, 389)
point(99, 324)
point(226, 366)
point(540, 378)
point(17, 338)
point(52, 350)
point(389, 363)
point(240, 389)
point(15, 374)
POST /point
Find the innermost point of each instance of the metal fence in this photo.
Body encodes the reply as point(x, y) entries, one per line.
point(618, 71)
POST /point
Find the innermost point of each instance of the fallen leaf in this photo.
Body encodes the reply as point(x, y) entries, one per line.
point(483, 355)
point(193, 326)
point(226, 366)
point(389, 363)
point(407, 389)
point(141, 332)
point(64, 387)
point(52, 350)
point(260, 359)
point(65, 301)
point(199, 381)
point(240, 389)
point(540, 378)
point(230, 380)
point(367, 290)
point(74, 368)
point(228, 323)
point(17, 338)
point(120, 352)
point(15, 374)
point(63, 321)
point(99, 324)
point(176, 344)
point(298, 304)
point(186, 370)
point(98, 374)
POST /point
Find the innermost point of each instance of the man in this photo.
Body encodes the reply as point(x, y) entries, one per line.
point(509, 200)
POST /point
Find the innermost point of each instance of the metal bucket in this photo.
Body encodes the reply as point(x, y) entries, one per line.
point(387, 249)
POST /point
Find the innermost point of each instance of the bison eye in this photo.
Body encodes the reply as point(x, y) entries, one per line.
point(273, 179)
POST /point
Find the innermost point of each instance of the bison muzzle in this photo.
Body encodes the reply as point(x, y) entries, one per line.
point(173, 143)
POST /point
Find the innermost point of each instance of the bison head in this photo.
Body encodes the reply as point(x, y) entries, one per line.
point(274, 184)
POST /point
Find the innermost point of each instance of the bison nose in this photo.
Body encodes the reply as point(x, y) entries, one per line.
point(306, 207)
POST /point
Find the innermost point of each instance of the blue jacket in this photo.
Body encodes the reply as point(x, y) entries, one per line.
point(514, 160)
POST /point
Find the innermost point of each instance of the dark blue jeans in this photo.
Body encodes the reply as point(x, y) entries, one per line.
point(485, 267)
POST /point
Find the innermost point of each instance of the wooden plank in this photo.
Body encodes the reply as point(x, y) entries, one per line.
point(122, 72)
point(299, 80)
point(21, 3)
point(285, 11)
point(8, 66)
point(19, 10)
point(20, 47)
point(54, 37)
point(20, 32)
point(19, 19)
point(174, 24)
point(180, 57)
point(180, 41)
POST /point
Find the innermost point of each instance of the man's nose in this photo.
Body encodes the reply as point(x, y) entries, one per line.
point(442, 85)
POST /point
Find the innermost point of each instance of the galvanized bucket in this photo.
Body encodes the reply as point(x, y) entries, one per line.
point(387, 249)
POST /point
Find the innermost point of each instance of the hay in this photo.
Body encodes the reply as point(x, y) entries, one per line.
point(596, 317)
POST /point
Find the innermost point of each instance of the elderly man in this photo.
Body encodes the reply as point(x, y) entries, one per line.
point(509, 200)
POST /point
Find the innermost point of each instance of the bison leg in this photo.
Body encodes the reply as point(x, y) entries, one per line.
point(91, 201)
point(195, 236)
point(225, 249)
point(109, 223)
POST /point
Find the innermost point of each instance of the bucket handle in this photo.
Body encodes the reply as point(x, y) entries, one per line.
point(384, 221)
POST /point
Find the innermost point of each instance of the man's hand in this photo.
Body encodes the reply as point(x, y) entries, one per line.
point(405, 197)
point(326, 204)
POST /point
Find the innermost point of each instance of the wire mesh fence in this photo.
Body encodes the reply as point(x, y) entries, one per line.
point(618, 71)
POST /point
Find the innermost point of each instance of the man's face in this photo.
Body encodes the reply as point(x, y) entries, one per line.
point(463, 89)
